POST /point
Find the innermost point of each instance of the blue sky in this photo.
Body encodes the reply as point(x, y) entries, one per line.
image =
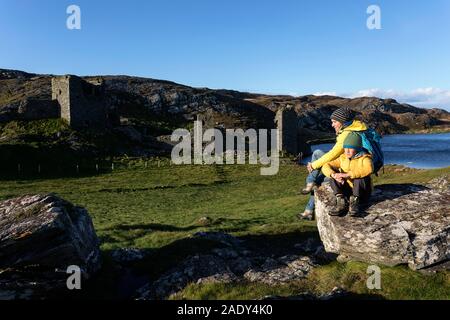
point(284, 47)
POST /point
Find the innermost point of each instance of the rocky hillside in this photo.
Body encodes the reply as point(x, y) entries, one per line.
point(147, 110)
point(139, 98)
point(386, 115)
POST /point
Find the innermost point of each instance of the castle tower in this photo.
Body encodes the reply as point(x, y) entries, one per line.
point(287, 125)
point(81, 102)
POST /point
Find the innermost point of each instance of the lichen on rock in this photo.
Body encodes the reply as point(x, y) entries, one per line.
point(231, 262)
point(403, 224)
point(40, 237)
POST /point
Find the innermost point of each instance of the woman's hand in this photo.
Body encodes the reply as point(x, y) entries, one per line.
point(309, 167)
point(339, 177)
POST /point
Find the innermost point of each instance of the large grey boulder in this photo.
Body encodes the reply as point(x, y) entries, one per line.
point(404, 224)
point(40, 237)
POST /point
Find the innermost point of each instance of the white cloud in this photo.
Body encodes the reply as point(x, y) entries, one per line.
point(330, 93)
point(421, 97)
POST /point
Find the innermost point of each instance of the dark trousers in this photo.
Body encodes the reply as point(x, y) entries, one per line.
point(362, 188)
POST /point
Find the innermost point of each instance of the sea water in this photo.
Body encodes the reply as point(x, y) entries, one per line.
point(422, 151)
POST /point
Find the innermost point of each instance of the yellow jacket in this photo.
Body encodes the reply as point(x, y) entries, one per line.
point(357, 167)
point(338, 148)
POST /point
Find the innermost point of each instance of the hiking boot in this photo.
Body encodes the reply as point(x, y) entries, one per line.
point(354, 208)
point(341, 205)
point(308, 189)
point(306, 215)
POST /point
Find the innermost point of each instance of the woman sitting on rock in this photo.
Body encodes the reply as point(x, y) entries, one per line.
point(342, 120)
point(350, 176)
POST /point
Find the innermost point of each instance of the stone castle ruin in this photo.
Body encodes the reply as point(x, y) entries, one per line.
point(286, 122)
point(81, 102)
point(290, 139)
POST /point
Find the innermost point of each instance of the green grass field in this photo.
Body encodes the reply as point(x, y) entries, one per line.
point(157, 208)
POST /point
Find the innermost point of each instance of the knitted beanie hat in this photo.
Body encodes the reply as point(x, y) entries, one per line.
point(353, 141)
point(343, 115)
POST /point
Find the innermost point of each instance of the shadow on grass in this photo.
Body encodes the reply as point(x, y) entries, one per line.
point(344, 296)
point(123, 280)
point(220, 172)
point(279, 244)
point(161, 187)
point(263, 246)
point(150, 227)
point(59, 174)
point(132, 232)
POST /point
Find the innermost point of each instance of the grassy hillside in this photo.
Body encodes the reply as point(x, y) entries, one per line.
point(156, 206)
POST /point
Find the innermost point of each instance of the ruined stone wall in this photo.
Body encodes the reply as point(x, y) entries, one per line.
point(82, 103)
point(31, 109)
point(287, 124)
point(61, 93)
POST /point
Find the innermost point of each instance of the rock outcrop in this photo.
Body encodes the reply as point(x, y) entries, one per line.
point(40, 237)
point(385, 115)
point(404, 224)
point(232, 262)
point(335, 294)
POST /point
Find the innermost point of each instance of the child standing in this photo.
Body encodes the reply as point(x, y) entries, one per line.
point(350, 176)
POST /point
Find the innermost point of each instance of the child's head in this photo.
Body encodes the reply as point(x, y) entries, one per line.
point(349, 152)
point(352, 144)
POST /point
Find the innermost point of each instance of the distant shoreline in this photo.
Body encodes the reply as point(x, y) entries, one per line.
point(407, 149)
point(430, 131)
